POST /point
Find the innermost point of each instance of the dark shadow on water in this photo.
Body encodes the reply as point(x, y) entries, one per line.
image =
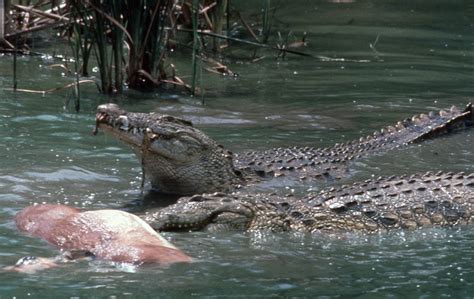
point(151, 199)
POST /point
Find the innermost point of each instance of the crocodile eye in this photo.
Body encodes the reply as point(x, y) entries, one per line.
point(196, 198)
point(122, 123)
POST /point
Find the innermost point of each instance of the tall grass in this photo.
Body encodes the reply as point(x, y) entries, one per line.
point(15, 82)
point(77, 91)
point(2, 20)
point(130, 39)
point(196, 43)
point(219, 17)
point(127, 37)
point(146, 22)
point(266, 20)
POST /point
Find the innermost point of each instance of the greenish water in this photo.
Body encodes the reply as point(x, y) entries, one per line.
point(424, 60)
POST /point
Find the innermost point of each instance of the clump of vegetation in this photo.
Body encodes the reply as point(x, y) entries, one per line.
point(131, 40)
point(127, 38)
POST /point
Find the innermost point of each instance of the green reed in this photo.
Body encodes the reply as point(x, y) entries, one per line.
point(196, 43)
point(127, 37)
point(266, 20)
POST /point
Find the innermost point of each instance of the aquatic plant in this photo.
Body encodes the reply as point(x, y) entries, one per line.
point(130, 41)
point(127, 37)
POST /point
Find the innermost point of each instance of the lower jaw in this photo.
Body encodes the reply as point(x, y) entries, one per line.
point(121, 136)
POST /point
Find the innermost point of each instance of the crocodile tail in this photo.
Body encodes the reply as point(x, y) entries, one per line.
point(449, 122)
point(415, 201)
point(331, 161)
point(415, 129)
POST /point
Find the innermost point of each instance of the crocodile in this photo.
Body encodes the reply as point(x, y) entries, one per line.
point(180, 159)
point(376, 205)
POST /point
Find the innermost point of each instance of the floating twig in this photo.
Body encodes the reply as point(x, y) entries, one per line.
point(41, 13)
point(218, 67)
point(36, 28)
point(373, 47)
point(298, 44)
point(61, 66)
point(56, 88)
point(293, 45)
point(247, 26)
point(239, 40)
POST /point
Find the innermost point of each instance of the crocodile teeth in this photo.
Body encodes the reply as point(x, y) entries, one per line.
point(123, 122)
point(150, 134)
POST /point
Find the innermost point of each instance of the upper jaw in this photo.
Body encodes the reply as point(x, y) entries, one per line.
point(110, 117)
point(144, 130)
point(121, 123)
point(115, 121)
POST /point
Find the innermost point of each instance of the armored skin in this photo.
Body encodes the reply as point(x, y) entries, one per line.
point(406, 202)
point(180, 159)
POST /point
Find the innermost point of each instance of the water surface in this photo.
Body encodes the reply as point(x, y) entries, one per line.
point(423, 60)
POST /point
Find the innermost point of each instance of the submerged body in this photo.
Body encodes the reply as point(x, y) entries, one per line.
point(106, 234)
point(408, 202)
point(180, 159)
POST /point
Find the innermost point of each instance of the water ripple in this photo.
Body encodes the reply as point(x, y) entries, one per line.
point(73, 173)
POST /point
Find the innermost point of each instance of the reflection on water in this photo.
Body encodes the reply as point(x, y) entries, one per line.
point(421, 58)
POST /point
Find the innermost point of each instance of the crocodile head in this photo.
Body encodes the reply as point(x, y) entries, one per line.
point(219, 212)
point(176, 157)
